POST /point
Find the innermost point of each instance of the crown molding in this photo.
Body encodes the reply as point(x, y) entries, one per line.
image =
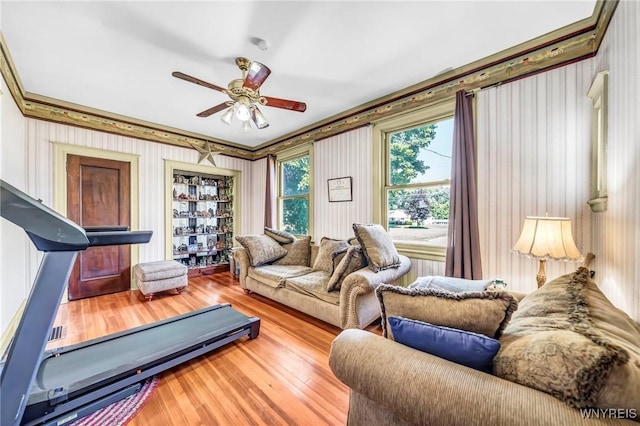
point(563, 46)
point(7, 68)
point(43, 108)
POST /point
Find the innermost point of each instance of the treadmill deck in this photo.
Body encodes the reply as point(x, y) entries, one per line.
point(131, 356)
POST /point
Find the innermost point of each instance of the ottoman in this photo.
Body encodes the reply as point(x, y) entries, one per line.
point(163, 275)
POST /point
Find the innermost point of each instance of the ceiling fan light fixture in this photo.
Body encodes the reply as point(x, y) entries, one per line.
point(244, 94)
point(228, 115)
point(258, 118)
point(242, 111)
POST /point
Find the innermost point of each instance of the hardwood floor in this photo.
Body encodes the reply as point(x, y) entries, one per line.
point(280, 378)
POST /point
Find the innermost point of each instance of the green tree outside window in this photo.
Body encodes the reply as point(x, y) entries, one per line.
point(294, 198)
point(419, 164)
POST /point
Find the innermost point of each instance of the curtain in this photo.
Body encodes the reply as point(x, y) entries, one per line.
point(463, 246)
point(271, 190)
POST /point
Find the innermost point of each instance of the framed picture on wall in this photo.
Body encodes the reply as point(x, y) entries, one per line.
point(340, 189)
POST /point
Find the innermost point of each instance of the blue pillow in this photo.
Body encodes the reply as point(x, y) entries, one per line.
point(459, 346)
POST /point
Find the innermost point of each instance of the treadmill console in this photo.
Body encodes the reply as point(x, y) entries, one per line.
point(48, 230)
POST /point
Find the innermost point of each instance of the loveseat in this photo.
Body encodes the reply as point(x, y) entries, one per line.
point(333, 281)
point(565, 349)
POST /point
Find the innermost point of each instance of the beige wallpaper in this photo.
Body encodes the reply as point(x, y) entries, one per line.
point(14, 245)
point(344, 155)
point(255, 210)
point(533, 159)
point(616, 232)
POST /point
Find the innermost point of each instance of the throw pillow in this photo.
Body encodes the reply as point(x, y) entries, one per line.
point(485, 312)
point(329, 249)
point(568, 340)
point(298, 252)
point(560, 362)
point(377, 246)
point(352, 261)
point(459, 346)
point(261, 248)
point(283, 237)
point(451, 283)
point(338, 258)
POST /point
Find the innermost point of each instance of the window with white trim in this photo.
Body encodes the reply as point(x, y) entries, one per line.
point(294, 178)
point(415, 159)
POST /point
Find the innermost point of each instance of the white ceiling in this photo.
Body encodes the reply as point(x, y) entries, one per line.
point(332, 55)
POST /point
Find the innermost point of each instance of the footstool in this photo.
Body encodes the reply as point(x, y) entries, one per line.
point(163, 275)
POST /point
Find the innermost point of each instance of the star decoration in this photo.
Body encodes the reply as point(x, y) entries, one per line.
point(206, 153)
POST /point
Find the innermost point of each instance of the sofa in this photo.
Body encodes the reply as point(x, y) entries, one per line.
point(565, 348)
point(333, 281)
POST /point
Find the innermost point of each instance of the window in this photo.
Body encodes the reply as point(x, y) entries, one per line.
point(294, 176)
point(415, 159)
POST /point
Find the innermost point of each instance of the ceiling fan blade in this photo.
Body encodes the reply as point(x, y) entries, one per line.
point(285, 104)
point(256, 75)
point(190, 79)
point(213, 110)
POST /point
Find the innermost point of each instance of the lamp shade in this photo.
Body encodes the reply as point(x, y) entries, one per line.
point(547, 238)
point(228, 115)
point(258, 118)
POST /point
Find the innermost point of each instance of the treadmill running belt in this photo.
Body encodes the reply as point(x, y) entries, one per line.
point(88, 364)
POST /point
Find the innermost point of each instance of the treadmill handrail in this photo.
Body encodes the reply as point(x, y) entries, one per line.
point(106, 228)
point(48, 230)
point(112, 238)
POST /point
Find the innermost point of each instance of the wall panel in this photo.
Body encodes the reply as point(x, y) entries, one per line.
point(347, 154)
point(616, 232)
point(254, 213)
point(533, 159)
point(14, 245)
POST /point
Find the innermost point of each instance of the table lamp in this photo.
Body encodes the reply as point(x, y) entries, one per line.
point(547, 238)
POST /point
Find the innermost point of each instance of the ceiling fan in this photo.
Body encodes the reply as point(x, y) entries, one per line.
point(245, 96)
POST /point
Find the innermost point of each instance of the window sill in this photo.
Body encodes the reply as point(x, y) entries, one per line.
point(423, 252)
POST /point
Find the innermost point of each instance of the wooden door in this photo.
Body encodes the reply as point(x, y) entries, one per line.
point(98, 194)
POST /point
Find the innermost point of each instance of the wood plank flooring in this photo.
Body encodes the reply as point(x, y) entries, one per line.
point(280, 378)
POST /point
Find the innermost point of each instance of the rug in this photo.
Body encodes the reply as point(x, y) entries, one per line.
point(119, 413)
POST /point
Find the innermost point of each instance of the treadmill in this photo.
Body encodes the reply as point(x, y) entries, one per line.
point(62, 385)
